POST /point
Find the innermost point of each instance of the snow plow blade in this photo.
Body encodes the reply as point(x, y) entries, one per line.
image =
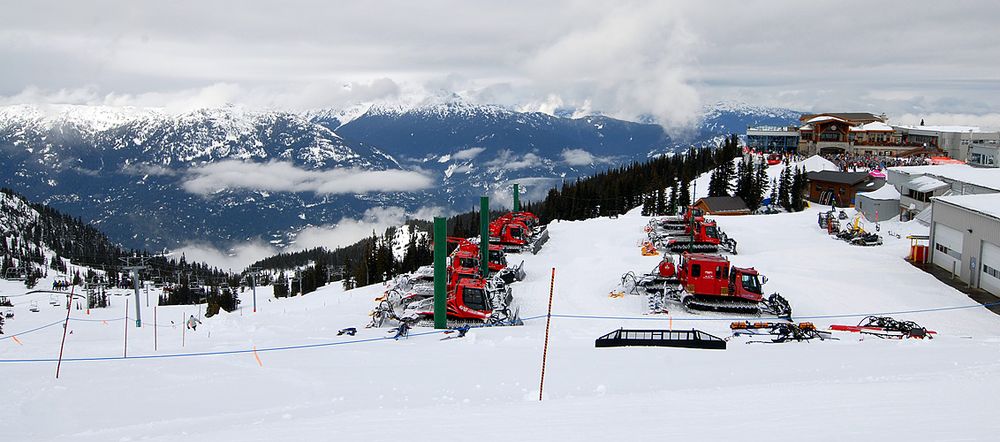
point(512, 274)
point(541, 237)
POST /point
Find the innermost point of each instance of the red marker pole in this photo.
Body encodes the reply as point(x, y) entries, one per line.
point(548, 322)
point(154, 328)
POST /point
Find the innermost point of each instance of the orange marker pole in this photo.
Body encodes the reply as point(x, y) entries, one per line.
point(18, 341)
point(257, 357)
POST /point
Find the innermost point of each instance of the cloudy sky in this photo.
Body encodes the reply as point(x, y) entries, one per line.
point(621, 58)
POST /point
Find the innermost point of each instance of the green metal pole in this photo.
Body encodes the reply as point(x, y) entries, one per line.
point(484, 236)
point(517, 198)
point(440, 273)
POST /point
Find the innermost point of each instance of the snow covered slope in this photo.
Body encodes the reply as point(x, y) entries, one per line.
point(312, 384)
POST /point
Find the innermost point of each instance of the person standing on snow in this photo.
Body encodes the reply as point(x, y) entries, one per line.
point(192, 323)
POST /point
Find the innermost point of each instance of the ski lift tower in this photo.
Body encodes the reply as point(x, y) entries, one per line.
point(133, 264)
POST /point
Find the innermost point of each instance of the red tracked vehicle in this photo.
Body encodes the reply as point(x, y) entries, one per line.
point(707, 282)
point(468, 250)
point(703, 236)
point(518, 232)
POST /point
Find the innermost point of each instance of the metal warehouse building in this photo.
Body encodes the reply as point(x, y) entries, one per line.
point(965, 238)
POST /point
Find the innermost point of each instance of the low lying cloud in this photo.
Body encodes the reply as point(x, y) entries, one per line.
point(286, 177)
point(345, 232)
point(235, 259)
point(148, 169)
point(510, 161)
point(348, 231)
point(580, 157)
point(468, 154)
point(531, 189)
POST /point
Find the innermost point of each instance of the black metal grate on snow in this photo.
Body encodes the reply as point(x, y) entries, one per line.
point(661, 338)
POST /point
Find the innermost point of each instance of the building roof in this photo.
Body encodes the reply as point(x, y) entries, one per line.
point(875, 126)
point(830, 176)
point(863, 117)
point(817, 163)
point(983, 177)
point(952, 129)
point(720, 204)
point(823, 118)
point(924, 183)
point(987, 204)
point(884, 193)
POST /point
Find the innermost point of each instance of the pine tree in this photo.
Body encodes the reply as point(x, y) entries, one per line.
point(672, 202)
point(774, 192)
point(784, 189)
point(797, 189)
point(684, 198)
point(661, 204)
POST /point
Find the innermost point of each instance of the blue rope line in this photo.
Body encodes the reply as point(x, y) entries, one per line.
point(384, 338)
point(217, 353)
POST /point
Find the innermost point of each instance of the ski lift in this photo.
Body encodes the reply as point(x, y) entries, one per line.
point(14, 274)
point(53, 300)
point(8, 314)
point(34, 307)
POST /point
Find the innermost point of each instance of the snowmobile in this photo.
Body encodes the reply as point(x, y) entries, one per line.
point(518, 232)
point(703, 237)
point(867, 239)
point(706, 282)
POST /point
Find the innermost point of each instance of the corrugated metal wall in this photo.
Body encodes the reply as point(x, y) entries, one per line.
point(975, 229)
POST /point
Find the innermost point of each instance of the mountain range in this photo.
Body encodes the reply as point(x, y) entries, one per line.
point(131, 171)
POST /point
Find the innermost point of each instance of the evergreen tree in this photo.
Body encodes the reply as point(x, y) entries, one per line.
point(774, 192)
point(796, 199)
point(672, 202)
point(784, 189)
point(684, 198)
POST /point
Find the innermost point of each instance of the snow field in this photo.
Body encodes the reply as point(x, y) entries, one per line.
point(486, 385)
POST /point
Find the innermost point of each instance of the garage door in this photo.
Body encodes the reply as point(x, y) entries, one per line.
point(989, 278)
point(947, 247)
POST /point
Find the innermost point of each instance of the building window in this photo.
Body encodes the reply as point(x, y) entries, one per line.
point(991, 271)
point(919, 196)
point(952, 253)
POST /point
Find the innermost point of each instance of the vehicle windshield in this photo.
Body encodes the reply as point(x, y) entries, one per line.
point(470, 263)
point(497, 256)
point(474, 299)
point(712, 231)
point(751, 283)
point(517, 232)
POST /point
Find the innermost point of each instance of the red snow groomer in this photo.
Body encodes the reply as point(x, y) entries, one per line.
point(470, 298)
point(706, 282)
point(674, 225)
point(518, 232)
point(774, 159)
point(467, 250)
point(703, 236)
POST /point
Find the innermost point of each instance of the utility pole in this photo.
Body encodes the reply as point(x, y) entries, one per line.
point(133, 264)
point(253, 285)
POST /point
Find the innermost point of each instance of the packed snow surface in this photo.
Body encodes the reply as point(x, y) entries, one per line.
point(311, 384)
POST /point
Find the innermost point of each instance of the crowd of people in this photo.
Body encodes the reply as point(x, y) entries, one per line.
point(856, 163)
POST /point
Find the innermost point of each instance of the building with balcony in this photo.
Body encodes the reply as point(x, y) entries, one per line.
point(776, 139)
point(918, 185)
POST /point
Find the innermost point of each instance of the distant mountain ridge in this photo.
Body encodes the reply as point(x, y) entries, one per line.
point(124, 168)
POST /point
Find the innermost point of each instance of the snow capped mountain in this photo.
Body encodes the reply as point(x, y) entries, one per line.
point(126, 169)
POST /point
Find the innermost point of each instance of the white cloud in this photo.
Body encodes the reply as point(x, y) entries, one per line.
point(580, 157)
point(510, 161)
point(343, 233)
point(349, 231)
point(286, 177)
point(468, 154)
point(236, 258)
